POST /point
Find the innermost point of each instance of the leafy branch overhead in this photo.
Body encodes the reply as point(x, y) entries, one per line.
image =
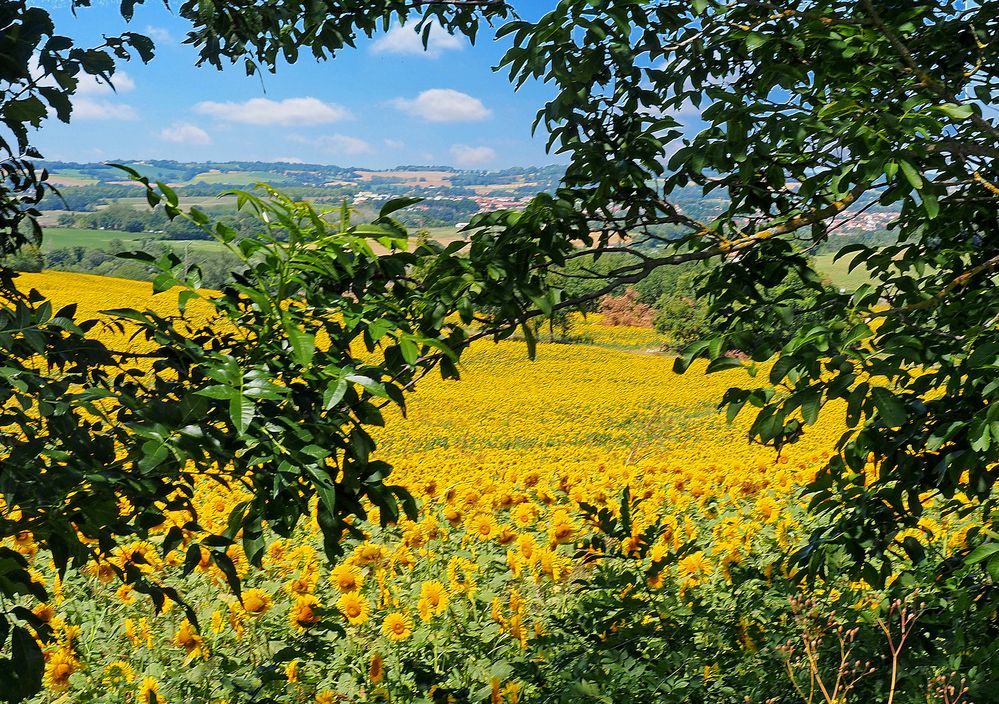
point(808, 113)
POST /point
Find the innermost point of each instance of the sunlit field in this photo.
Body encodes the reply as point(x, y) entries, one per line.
point(463, 602)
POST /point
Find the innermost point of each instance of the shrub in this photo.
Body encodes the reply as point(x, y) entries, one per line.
point(626, 310)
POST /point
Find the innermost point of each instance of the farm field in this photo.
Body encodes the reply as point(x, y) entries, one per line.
point(236, 178)
point(477, 600)
point(71, 177)
point(187, 201)
point(839, 271)
point(59, 237)
point(416, 177)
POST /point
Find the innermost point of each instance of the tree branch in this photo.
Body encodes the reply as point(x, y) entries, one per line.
point(933, 84)
point(940, 295)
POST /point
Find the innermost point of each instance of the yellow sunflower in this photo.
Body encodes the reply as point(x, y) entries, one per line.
point(61, 665)
point(435, 595)
point(524, 514)
point(188, 639)
point(368, 554)
point(347, 578)
point(303, 612)
point(149, 692)
point(117, 673)
point(483, 526)
point(376, 669)
point(256, 601)
point(398, 626)
point(354, 607)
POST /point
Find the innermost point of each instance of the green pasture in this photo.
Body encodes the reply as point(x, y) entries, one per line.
point(85, 178)
point(839, 271)
point(59, 237)
point(185, 202)
point(241, 178)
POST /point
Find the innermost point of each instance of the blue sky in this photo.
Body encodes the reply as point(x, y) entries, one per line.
point(384, 104)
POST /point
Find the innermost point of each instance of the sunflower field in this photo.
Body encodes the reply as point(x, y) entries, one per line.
point(590, 529)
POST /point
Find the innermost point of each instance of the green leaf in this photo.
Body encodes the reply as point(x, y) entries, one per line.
point(375, 388)
point(530, 339)
point(27, 661)
point(334, 393)
point(911, 175)
point(303, 344)
point(931, 205)
point(225, 564)
point(982, 552)
point(241, 412)
point(543, 303)
point(810, 406)
point(722, 363)
point(890, 409)
point(397, 204)
point(169, 193)
point(409, 349)
point(992, 567)
point(955, 111)
point(754, 40)
point(218, 391)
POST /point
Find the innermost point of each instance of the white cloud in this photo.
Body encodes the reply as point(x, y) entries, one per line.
point(88, 109)
point(89, 85)
point(288, 160)
point(403, 39)
point(395, 144)
point(339, 143)
point(465, 155)
point(344, 144)
point(159, 34)
point(185, 133)
point(263, 111)
point(444, 105)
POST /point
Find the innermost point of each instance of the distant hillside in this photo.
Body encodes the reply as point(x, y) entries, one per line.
point(98, 197)
point(431, 179)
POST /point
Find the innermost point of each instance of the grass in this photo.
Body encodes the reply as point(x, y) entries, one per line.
point(240, 178)
point(72, 177)
point(839, 271)
point(195, 246)
point(441, 234)
point(59, 237)
point(185, 202)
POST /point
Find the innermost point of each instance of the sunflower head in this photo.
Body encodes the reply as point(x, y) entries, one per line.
point(397, 626)
point(303, 613)
point(60, 666)
point(256, 601)
point(354, 607)
point(483, 526)
point(149, 691)
point(376, 669)
point(347, 578)
point(117, 673)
